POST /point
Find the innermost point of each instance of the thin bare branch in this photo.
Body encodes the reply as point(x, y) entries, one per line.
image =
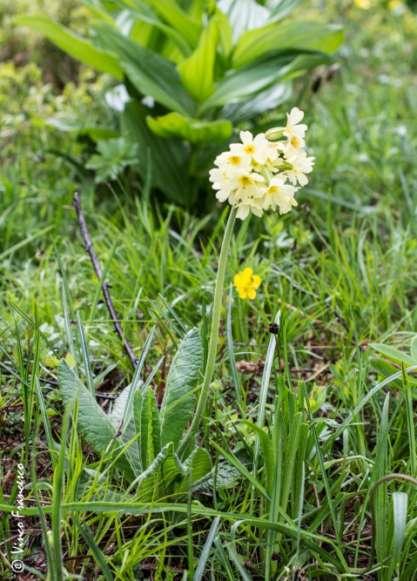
point(105, 289)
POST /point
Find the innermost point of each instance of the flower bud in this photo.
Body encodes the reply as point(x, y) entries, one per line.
point(274, 133)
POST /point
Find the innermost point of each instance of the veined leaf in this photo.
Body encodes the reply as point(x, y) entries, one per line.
point(147, 426)
point(77, 47)
point(172, 13)
point(280, 36)
point(225, 33)
point(183, 378)
point(122, 417)
point(281, 8)
point(158, 479)
point(151, 74)
point(94, 424)
point(143, 13)
point(241, 84)
point(166, 157)
point(267, 99)
point(244, 15)
point(222, 476)
point(197, 72)
point(197, 466)
point(194, 130)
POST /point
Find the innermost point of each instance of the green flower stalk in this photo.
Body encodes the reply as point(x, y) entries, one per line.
point(261, 173)
point(214, 331)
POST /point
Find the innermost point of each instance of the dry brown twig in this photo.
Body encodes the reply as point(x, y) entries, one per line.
point(105, 288)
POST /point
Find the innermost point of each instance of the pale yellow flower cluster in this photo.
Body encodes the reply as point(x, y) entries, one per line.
point(264, 172)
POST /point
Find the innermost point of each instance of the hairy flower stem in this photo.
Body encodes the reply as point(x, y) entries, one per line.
point(214, 332)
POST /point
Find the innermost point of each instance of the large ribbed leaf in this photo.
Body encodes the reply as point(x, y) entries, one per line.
point(268, 99)
point(194, 130)
point(172, 13)
point(241, 84)
point(164, 160)
point(281, 8)
point(77, 47)
point(280, 36)
point(183, 379)
point(244, 15)
point(151, 74)
point(197, 466)
point(121, 417)
point(144, 14)
point(94, 424)
point(147, 426)
point(197, 71)
point(158, 480)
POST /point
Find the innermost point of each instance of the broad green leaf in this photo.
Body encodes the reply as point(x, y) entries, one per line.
point(183, 379)
point(99, 12)
point(197, 72)
point(225, 33)
point(121, 417)
point(240, 85)
point(393, 354)
point(280, 36)
point(281, 8)
point(196, 8)
point(197, 466)
point(147, 426)
point(172, 13)
point(244, 15)
point(158, 480)
point(223, 475)
point(143, 13)
point(194, 130)
point(264, 101)
point(77, 47)
point(165, 160)
point(150, 74)
point(94, 424)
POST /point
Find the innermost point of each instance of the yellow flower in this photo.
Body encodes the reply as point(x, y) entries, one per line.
point(246, 283)
point(248, 173)
point(364, 4)
point(395, 5)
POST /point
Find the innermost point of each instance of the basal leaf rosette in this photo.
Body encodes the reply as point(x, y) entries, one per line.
point(265, 171)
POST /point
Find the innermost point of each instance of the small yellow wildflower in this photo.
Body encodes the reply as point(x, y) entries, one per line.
point(246, 283)
point(364, 4)
point(395, 5)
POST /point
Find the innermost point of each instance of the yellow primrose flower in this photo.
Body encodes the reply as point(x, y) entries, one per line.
point(246, 283)
point(395, 5)
point(364, 4)
point(264, 172)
